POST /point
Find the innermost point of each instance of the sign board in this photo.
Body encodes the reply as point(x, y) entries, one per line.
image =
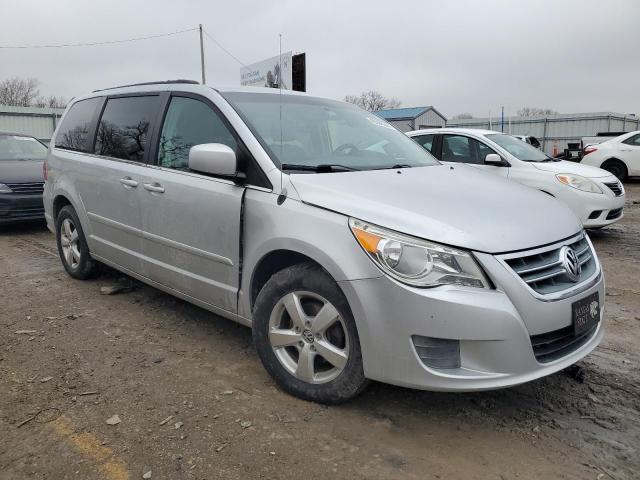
point(269, 73)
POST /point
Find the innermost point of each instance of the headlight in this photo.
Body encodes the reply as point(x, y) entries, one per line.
point(417, 262)
point(4, 188)
point(579, 182)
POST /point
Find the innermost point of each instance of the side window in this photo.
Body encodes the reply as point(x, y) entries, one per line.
point(456, 148)
point(634, 140)
point(483, 151)
point(190, 122)
point(426, 141)
point(73, 132)
point(125, 125)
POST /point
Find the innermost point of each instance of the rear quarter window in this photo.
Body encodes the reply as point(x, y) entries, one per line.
point(75, 129)
point(125, 127)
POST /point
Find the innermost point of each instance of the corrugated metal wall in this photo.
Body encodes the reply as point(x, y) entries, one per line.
point(34, 121)
point(429, 119)
point(556, 131)
point(426, 120)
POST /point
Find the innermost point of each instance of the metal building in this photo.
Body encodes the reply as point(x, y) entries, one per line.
point(35, 121)
point(555, 132)
point(407, 119)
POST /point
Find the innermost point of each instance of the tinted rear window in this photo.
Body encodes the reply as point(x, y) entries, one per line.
point(125, 127)
point(73, 133)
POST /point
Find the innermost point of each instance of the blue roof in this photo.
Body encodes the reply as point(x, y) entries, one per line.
point(394, 113)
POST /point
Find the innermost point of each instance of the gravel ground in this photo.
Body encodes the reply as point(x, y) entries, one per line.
point(193, 401)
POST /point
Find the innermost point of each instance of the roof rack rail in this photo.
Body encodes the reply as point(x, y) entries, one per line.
point(161, 82)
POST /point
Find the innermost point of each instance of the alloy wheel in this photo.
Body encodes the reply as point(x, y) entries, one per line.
point(309, 337)
point(69, 241)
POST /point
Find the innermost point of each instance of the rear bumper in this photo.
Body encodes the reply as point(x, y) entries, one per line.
point(20, 207)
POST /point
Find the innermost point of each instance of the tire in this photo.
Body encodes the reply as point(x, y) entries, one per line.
point(616, 167)
point(292, 348)
point(72, 245)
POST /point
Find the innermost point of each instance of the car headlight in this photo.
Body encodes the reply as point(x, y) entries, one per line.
point(4, 188)
point(415, 261)
point(579, 182)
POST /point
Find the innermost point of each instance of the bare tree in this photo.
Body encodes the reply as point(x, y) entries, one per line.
point(372, 101)
point(18, 92)
point(461, 116)
point(535, 112)
point(51, 102)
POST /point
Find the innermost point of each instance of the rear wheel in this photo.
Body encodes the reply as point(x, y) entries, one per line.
point(616, 167)
point(72, 245)
point(306, 337)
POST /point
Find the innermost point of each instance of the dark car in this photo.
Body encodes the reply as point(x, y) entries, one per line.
point(21, 177)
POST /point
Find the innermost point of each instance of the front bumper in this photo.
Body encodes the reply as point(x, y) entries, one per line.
point(20, 207)
point(494, 328)
point(597, 210)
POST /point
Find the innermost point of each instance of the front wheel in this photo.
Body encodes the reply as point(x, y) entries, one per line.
point(306, 337)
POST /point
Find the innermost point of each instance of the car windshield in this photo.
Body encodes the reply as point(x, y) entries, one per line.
point(299, 131)
point(17, 147)
point(519, 149)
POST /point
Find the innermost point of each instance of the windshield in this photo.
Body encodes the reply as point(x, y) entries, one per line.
point(17, 147)
point(519, 149)
point(299, 131)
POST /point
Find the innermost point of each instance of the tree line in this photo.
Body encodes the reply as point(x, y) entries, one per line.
point(24, 92)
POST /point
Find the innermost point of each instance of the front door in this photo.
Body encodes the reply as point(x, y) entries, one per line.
point(192, 221)
point(463, 149)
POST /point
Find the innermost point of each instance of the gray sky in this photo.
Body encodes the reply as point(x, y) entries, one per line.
point(460, 56)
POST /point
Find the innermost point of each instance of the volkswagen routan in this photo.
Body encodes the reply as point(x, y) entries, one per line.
point(349, 250)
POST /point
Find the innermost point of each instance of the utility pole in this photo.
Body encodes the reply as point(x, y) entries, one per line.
point(202, 56)
point(502, 120)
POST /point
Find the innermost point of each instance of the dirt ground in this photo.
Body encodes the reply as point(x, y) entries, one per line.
point(194, 401)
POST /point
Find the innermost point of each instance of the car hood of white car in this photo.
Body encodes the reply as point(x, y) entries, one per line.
point(455, 205)
point(571, 167)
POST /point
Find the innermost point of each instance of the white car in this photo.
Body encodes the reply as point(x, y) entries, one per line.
point(619, 155)
point(595, 195)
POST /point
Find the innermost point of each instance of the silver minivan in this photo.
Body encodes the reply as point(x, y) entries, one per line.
point(350, 251)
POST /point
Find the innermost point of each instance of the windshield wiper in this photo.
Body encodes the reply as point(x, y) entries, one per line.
point(393, 167)
point(322, 168)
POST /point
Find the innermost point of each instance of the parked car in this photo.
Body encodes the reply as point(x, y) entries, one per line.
point(533, 141)
point(619, 155)
point(594, 195)
point(21, 182)
point(351, 252)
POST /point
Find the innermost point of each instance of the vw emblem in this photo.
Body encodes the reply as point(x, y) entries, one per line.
point(308, 336)
point(571, 263)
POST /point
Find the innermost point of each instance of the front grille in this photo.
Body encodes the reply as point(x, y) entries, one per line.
point(595, 214)
point(37, 187)
point(551, 346)
point(615, 187)
point(23, 212)
point(614, 213)
point(544, 271)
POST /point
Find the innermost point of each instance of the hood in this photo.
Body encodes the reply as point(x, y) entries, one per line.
point(458, 206)
point(571, 167)
point(21, 171)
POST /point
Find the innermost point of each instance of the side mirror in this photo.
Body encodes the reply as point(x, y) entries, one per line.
point(213, 158)
point(495, 160)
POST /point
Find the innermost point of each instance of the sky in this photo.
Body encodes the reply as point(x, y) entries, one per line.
point(459, 56)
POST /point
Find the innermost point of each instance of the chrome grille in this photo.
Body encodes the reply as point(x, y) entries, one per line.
point(615, 187)
point(544, 271)
point(37, 187)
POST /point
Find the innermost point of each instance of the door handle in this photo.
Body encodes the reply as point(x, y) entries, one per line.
point(128, 182)
point(154, 187)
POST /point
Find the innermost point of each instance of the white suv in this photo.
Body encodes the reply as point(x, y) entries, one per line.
point(595, 195)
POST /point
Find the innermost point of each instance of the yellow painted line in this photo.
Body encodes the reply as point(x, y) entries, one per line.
point(90, 447)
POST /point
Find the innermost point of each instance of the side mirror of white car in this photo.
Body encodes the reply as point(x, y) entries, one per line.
point(495, 160)
point(214, 159)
